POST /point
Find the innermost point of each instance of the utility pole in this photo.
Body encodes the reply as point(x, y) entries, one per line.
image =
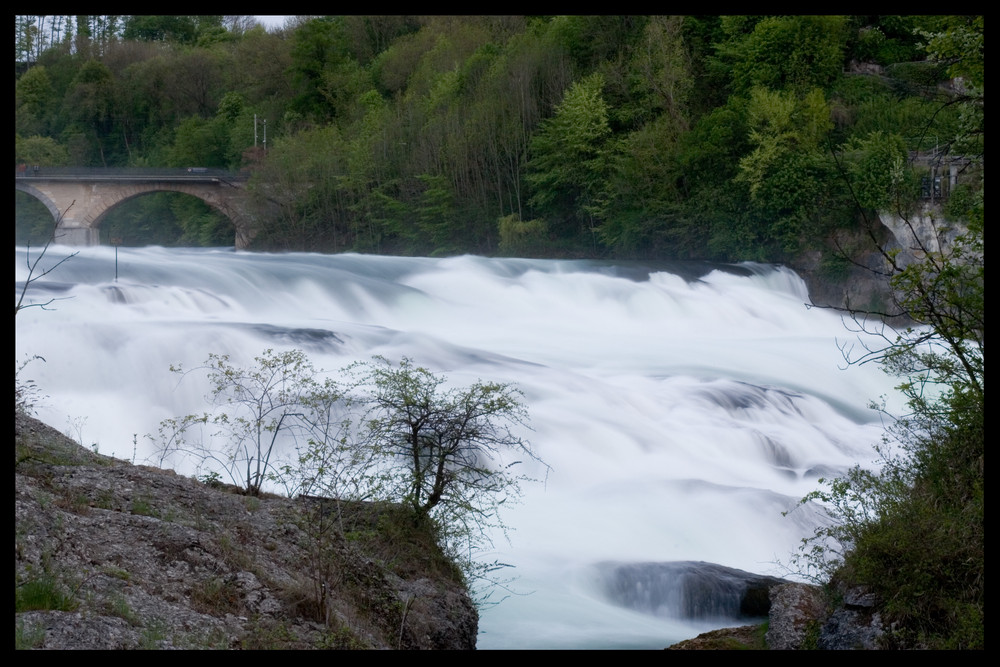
point(116, 241)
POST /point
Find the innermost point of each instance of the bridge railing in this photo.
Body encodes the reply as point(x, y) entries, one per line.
point(28, 171)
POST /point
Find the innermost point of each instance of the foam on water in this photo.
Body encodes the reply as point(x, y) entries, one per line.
point(682, 408)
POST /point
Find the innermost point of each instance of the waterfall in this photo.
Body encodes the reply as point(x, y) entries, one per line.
point(682, 407)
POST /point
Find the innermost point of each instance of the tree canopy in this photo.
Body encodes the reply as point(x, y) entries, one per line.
point(744, 137)
point(713, 137)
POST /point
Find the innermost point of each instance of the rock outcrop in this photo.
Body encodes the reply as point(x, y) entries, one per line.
point(797, 612)
point(801, 617)
point(687, 589)
point(110, 555)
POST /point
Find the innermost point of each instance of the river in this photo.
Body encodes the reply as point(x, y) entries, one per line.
point(682, 408)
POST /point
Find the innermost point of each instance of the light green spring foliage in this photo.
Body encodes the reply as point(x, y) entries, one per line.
point(416, 134)
point(377, 431)
point(568, 159)
point(878, 178)
point(255, 408)
point(458, 454)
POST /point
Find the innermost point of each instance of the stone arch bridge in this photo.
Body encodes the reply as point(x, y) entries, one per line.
point(83, 197)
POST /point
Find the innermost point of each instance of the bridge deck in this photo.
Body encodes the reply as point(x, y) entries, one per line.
point(188, 174)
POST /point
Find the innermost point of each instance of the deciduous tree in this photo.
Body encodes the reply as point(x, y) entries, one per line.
point(459, 454)
point(257, 409)
point(568, 165)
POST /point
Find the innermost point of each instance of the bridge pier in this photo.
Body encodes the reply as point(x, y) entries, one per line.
point(77, 236)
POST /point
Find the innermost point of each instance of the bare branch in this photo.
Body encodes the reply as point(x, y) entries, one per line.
point(35, 275)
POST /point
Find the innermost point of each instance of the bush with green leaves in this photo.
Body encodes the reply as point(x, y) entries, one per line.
point(878, 175)
point(456, 452)
point(385, 432)
point(260, 411)
point(912, 530)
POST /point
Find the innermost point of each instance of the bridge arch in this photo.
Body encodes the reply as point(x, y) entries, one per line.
point(41, 197)
point(84, 197)
point(120, 219)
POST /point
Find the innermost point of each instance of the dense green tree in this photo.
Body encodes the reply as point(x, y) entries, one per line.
point(878, 175)
point(796, 52)
point(591, 40)
point(864, 104)
point(301, 186)
point(960, 44)
point(787, 167)
point(33, 101)
point(200, 143)
point(316, 44)
point(714, 204)
point(393, 67)
point(87, 107)
point(568, 166)
point(660, 71)
point(194, 82)
point(41, 151)
point(641, 208)
point(437, 216)
point(257, 69)
point(368, 36)
point(887, 39)
point(700, 35)
point(500, 93)
point(711, 151)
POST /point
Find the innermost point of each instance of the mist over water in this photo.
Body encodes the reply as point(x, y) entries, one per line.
point(682, 407)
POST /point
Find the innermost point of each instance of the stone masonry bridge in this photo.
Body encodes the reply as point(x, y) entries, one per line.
point(83, 197)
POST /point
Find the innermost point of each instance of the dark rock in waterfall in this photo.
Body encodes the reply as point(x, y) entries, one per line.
point(311, 339)
point(687, 589)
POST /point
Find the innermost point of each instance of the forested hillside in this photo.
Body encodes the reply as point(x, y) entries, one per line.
point(722, 137)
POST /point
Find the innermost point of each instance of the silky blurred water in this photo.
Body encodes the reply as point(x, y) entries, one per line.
point(681, 407)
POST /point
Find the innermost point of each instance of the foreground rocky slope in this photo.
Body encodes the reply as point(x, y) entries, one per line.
point(110, 555)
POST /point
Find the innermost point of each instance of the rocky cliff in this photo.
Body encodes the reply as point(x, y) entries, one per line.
point(802, 617)
point(109, 555)
point(861, 282)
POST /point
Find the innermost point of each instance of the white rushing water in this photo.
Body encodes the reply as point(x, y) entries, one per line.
point(680, 417)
